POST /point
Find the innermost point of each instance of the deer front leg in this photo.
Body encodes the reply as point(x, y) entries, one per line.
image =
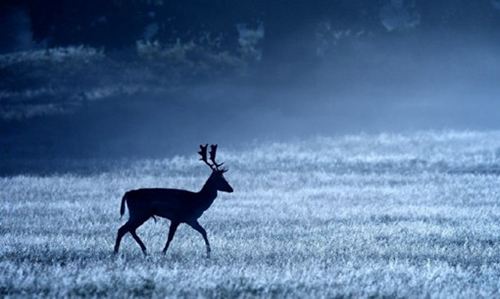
point(171, 233)
point(201, 230)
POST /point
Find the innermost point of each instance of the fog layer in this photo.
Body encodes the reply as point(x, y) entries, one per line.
point(329, 74)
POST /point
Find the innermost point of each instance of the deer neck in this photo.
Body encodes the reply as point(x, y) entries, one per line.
point(208, 192)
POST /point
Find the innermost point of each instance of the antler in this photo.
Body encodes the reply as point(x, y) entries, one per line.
point(203, 154)
point(213, 152)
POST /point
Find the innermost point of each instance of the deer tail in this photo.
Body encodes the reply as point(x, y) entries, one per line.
point(122, 207)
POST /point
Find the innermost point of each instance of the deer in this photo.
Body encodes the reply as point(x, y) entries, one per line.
point(179, 206)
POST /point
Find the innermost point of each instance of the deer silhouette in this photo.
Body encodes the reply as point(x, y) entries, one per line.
point(179, 206)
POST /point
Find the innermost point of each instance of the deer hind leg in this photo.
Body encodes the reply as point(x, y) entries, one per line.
point(139, 241)
point(131, 227)
point(171, 233)
point(121, 232)
point(195, 225)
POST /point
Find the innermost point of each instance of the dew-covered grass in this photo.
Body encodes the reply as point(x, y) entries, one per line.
point(413, 215)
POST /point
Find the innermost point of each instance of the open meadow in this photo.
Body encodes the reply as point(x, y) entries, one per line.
point(408, 215)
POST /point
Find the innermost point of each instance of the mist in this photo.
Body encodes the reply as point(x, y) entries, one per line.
point(278, 73)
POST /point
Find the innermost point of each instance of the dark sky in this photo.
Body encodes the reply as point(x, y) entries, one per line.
point(86, 79)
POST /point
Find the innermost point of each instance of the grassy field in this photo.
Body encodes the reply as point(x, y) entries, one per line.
point(412, 215)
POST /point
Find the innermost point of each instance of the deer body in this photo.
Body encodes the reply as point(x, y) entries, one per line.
point(173, 204)
point(179, 206)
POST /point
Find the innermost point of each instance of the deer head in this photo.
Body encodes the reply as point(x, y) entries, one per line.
point(217, 176)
